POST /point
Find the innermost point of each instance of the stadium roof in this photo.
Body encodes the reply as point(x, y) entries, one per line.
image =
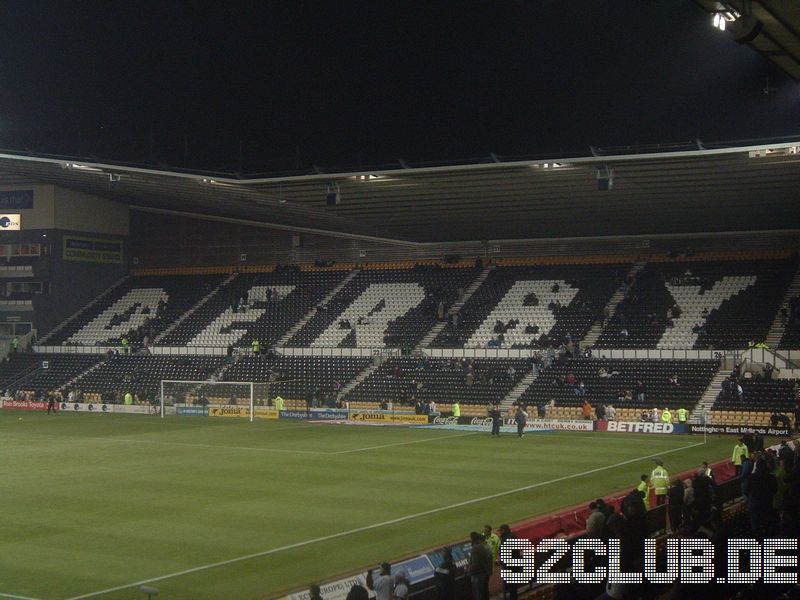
point(653, 191)
point(779, 35)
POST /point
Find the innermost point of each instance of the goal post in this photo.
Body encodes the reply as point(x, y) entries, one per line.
point(221, 398)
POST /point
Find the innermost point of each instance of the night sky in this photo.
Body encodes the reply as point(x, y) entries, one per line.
point(281, 85)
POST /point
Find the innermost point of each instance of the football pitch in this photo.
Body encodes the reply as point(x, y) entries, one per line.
point(94, 505)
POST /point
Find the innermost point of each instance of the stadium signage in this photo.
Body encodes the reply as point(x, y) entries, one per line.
point(634, 427)
point(328, 414)
point(293, 414)
point(25, 404)
point(739, 430)
point(261, 412)
point(336, 590)
point(16, 199)
point(139, 409)
point(445, 420)
point(192, 411)
point(10, 222)
point(228, 411)
point(92, 250)
point(376, 417)
point(82, 407)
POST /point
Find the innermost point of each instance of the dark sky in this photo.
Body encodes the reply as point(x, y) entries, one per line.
point(295, 83)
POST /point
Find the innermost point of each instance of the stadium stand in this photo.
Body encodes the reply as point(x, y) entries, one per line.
point(606, 381)
point(778, 395)
point(313, 378)
point(385, 307)
point(260, 306)
point(408, 379)
point(139, 307)
point(791, 333)
point(711, 304)
point(141, 375)
point(533, 306)
point(26, 371)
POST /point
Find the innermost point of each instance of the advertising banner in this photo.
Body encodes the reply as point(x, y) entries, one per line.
point(191, 411)
point(92, 250)
point(738, 430)
point(10, 222)
point(16, 199)
point(139, 409)
point(328, 414)
point(262, 412)
point(336, 590)
point(635, 427)
point(293, 414)
point(377, 417)
point(417, 569)
point(25, 404)
point(86, 407)
point(228, 411)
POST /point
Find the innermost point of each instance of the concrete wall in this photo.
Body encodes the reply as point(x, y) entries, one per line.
point(77, 211)
point(73, 284)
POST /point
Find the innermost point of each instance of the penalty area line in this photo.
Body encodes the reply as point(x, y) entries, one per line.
point(395, 521)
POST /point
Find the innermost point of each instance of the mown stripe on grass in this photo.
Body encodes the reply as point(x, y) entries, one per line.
point(376, 525)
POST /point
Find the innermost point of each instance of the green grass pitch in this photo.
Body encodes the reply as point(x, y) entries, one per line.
point(90, 503)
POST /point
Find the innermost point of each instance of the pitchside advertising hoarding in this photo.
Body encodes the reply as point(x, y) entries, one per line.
point(387, 417)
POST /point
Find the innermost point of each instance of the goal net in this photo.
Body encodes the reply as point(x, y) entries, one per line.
point(208, 398)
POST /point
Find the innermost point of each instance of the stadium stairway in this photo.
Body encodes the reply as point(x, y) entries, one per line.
point(302, 322)
point(353, 383)
point(597, 327)
point(517, 391)
point(81, 310)
point(192, 310)
point(69, 383)
point(437, 328)
point(709, 396)
point(779, 324)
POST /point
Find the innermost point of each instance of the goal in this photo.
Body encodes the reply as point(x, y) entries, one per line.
point(203, 398)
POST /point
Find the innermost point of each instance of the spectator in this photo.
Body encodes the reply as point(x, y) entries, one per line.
point(445, 576)
point(314, 592)
point(509, 589)
point(587, 411)
point(357, 592)
point(401, 586)
point(595, 522)
point(675, 506)
point(481, 566)
point(383, 586)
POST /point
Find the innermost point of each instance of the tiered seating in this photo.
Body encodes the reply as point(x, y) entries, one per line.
point(720, 304)
point(777, 395)
point(694, 377)
point(60, 369)
point(791, 333)
point(311, 378)
point(274, 302)
point(385, 307)
point(405, 380)
point(141, 374)
point(535, 305)
point(142, 306)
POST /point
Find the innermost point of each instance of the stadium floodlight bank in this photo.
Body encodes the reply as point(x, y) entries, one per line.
point(232, 398)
